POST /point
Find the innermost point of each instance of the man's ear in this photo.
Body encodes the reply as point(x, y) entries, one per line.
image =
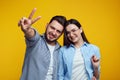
point(47, 25)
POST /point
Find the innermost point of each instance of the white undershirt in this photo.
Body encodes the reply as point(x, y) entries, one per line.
point(50, 69)
point(78, 68)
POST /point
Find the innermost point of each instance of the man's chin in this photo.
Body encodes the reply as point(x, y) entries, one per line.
point(51, 40)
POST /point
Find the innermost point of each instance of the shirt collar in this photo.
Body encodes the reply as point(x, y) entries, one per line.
point(84, 44)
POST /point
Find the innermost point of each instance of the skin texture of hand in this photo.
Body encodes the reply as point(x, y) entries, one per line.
point(94, 78)
point(26, 23)
point(95, 61)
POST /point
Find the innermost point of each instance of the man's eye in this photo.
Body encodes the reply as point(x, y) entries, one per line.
point(73, 30)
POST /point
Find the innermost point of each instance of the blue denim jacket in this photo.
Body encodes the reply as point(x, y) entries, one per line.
point(37, 59)
point(66, 56)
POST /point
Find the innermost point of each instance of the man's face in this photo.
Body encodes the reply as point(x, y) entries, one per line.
point(53, 31)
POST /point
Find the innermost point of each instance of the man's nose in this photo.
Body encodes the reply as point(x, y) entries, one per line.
point(54, 32)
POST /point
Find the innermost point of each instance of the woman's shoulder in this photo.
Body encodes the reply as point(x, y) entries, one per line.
point(63, 47)
point(93, 46)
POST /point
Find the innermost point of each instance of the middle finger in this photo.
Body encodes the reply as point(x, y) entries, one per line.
point(32, 13)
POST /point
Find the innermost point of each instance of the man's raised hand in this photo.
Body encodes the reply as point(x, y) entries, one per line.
point(26, 23)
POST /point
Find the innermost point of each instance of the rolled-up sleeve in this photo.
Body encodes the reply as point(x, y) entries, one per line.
point(32, 41)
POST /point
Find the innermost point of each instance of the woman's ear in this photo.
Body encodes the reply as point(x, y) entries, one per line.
point(81, 30)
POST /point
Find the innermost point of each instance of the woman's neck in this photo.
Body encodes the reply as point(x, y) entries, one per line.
point(79, 43)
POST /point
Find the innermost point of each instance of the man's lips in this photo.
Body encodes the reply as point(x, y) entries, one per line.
point(51, 36)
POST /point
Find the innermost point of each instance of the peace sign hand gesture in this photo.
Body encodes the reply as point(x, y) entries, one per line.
point(26, 23)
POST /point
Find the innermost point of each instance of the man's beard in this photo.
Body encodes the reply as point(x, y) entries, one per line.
point(49, 41)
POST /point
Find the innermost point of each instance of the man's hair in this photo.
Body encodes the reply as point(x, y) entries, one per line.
point(60, 19)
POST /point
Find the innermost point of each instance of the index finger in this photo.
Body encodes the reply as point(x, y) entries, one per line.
point(32, 13)
point(94, 58)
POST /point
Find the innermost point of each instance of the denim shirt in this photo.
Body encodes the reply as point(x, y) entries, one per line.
point(37, 59)
point(66, 56)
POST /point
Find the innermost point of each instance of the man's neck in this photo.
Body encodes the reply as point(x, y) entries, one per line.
point(51, 43)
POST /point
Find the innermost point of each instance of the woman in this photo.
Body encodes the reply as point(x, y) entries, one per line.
point(79, 60)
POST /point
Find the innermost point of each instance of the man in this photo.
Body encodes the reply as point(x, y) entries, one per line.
point(41, 58)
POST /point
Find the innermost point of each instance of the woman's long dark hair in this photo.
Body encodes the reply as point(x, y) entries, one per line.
point(67, 42)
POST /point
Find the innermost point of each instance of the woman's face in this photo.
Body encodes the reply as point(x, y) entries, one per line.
point(73, 33)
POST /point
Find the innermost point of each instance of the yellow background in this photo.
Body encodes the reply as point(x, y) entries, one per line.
point(100, 20)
